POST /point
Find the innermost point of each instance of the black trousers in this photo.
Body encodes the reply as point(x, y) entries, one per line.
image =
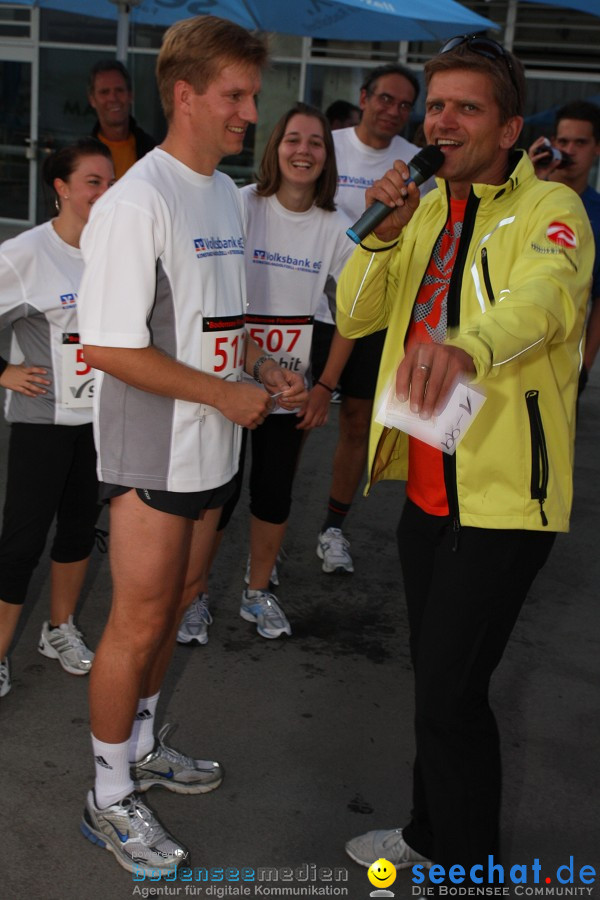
point(462, 606)
point(51, 472)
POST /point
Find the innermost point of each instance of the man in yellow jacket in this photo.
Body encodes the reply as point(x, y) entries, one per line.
point(485, 280)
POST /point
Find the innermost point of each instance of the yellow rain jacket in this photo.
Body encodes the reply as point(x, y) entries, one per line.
point(516, 304)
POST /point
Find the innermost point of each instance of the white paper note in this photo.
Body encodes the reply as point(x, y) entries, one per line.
point(444, 431)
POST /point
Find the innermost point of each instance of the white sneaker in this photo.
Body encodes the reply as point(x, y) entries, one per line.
point(5, 683)
point(195, 622)
point(174, 770)
point(131, 831)
point(66, 644)
point(262, 607)
point(389, 845)
point(274, 577)
point(332, 548)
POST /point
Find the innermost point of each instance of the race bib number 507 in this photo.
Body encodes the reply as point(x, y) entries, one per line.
point(286, 338)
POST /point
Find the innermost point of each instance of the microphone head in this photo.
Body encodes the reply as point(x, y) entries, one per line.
point(428, 161)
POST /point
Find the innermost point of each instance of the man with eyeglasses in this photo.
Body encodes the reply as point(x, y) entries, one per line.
point(363, 153)
point(484, 280)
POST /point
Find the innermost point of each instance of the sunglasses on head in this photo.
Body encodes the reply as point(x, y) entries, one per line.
point(484, 46)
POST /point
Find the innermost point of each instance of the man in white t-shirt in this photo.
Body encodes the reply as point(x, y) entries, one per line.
point(363, 153)
point(161, 317)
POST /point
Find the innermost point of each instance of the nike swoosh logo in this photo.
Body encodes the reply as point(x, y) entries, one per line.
point(122, 837)
point(168, 774)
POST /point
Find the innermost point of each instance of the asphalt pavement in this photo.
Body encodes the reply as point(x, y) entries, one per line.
point(315, 731)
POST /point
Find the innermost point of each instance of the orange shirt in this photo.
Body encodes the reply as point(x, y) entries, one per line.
point(122, 152)
point(426, 486)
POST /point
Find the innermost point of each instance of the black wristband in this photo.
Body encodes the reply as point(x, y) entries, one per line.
point(3, 364)
point(326, 386)
point(378, 249)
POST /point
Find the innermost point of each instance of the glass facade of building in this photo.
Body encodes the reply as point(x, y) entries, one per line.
point(45, 57)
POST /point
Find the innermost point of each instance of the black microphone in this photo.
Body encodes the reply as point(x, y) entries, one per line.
point(421, 167)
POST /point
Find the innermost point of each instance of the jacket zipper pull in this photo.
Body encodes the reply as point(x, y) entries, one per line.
point(542, 513)
point(456, 530)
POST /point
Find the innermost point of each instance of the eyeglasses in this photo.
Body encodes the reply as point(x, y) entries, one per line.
point(387, 101)
point(484, 46)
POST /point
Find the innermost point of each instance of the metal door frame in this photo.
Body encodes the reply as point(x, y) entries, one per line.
point(26, 50)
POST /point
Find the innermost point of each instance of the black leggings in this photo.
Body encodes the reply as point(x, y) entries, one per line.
point(276, 446)
point(51, 471)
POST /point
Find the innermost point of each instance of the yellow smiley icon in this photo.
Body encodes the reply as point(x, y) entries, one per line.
point(382, 873)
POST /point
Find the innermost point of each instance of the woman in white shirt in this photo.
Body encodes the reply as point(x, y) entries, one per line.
point(295, 241)
point(51, 458)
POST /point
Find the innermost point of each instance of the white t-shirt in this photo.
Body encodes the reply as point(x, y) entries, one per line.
point(289, 257)
point(359, 166)
point(165, 268)
point(39, 282)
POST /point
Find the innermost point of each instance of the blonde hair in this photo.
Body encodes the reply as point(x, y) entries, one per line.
point(195, 50)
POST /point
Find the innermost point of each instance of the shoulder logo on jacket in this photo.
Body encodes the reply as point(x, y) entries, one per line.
point(561, 234)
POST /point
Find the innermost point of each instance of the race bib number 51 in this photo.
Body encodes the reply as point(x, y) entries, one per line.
point(77, 376)
point(223, 348)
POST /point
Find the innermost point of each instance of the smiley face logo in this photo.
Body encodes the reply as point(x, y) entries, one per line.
point(381, 873)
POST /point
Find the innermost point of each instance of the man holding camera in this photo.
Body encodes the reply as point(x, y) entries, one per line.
point(568, 159)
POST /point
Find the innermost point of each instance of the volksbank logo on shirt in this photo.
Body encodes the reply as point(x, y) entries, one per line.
point(68, 301)
point(354, 181)
point(218, 246)
point(286, 261)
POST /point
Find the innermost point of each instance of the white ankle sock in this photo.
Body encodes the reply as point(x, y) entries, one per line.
point(113, 779)
point(142, 740)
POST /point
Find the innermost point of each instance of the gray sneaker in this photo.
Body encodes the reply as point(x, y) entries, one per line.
point(131, 831)
point(333, 548)
point(195, 622)
point(5, 683)
point(388, 845)
point(262, 607)
point(66, 644)
point(175, 771)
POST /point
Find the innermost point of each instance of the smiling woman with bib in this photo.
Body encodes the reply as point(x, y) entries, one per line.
point(51, 457)
point(295, 241)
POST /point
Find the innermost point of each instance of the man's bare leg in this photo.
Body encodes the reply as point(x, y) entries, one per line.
point(205, 543)
point(192, 621)
point(149, 558)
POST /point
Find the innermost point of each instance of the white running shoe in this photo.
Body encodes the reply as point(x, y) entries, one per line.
point(390, 845)
point(5, 683)
point(274, 578)
point(332, 548)
point(131, 831)
point(195, 622)
point(65, 643)
point(174, 770)
point(262, 607)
